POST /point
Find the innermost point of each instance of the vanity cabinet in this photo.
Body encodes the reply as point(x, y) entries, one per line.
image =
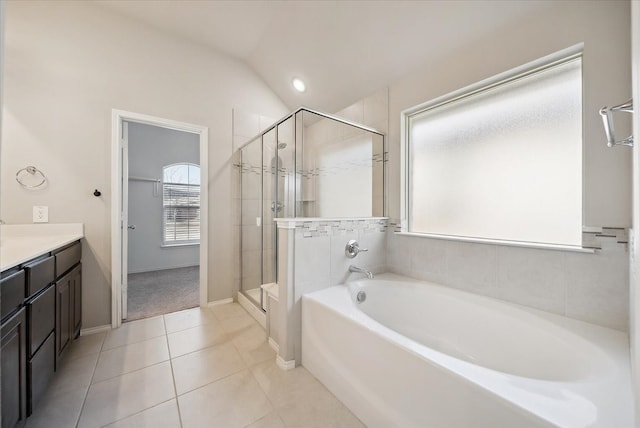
point(14, 374)
point(41, 310)
point(68, 297)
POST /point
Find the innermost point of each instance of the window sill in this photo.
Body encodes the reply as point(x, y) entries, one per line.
point(556, 247)
point(181, 244)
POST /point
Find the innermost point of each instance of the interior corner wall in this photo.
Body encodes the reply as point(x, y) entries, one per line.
point(150, 149)
point(67, 65)
point(603, 27)
point(634, 306)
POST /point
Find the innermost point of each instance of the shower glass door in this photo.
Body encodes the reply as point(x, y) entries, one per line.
point(278, 195)
point(251, 220)
point(271, 207)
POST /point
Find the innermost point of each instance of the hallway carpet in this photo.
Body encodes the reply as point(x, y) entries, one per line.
point(162, 291)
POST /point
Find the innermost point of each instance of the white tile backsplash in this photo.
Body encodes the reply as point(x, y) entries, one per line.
point(592, 287)
point(312, 260)
point(339, 261)
point(472, 267)
point(532, 277)
point(598, 288)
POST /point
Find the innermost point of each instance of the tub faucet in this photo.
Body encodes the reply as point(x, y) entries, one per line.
point(353, 268)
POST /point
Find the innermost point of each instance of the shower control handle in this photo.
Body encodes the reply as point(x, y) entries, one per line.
point(353, 248)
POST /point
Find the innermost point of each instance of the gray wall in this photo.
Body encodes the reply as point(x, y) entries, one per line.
point(151, 148)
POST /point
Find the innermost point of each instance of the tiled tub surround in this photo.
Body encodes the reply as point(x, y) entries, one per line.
point(311, 257)
point(412, 354)
point(588, 286)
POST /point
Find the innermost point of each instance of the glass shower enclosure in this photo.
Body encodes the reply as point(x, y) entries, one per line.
point(308, 164)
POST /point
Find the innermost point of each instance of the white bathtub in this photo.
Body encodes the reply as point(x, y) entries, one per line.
point(416, 354)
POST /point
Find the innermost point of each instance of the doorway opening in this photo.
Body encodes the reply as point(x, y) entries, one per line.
point(159, 216)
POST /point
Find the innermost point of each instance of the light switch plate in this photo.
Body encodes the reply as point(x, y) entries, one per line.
point(40, 214)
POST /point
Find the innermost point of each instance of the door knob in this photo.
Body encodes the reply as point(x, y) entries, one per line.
point(131, 226)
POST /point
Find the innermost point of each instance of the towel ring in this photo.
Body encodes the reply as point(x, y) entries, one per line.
point(33, 172)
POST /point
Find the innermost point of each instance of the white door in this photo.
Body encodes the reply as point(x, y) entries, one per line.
point(125, 227)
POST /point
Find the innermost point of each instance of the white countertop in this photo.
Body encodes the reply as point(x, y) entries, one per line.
point(20, 243)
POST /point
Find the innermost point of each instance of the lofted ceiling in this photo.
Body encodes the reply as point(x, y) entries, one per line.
point(343, 50)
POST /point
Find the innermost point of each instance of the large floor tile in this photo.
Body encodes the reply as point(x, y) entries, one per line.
point(58, 410)
point(253, 346)
point(272, 420)
point(135, 331)
point(238, 324)
point(86, 345)
point(196, 338)
point(282, 386)
point(316, 407)
point(163, 415)
point(73, 374)
point(124, 359)
point(235, 401)
point(126, 395)
point(199, 368)
point(227, 310)
point(188, 318)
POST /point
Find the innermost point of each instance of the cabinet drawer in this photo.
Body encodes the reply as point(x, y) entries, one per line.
point(68, 258)
point(40, 273)
point(41, 313)
point(12, 292)
point(41, 371)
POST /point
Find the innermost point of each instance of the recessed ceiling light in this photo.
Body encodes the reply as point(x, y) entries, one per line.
point(299, 85)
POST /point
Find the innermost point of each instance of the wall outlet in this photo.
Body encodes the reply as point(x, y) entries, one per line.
point(40, 214)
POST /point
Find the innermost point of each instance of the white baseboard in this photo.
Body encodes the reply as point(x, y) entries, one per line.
point(274, 345)
point(220, 302)
point(253, 310)
point(285, 365)
point(94, 330)
point(154, 269)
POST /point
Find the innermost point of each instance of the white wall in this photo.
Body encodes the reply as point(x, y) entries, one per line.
point(634, 305)
point(67, 65)
point(150, 149)
point(603, 26)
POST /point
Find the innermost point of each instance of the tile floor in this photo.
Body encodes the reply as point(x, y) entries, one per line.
point(208, 367)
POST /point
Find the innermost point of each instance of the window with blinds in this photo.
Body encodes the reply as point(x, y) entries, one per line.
point(181, 204)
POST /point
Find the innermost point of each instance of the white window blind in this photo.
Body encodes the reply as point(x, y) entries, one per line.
point(503, 162)
point(181, 204)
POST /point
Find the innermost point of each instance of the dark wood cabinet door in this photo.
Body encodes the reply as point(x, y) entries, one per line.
point(77, 301)
point(63, 312)
point(14, 373)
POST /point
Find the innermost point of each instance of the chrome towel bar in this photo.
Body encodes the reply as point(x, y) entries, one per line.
point(607, 119)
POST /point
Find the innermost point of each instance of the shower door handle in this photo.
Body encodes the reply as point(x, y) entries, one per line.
point(276, 206)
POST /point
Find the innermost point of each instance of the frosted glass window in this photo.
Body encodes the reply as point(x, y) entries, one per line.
point(504, 162)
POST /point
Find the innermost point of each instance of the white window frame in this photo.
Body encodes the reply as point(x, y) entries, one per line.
point(499, 79)
point(177, 243)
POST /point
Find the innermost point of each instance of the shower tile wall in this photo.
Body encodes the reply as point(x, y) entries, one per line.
point(320, 261)
point(589, 287)
point(337, 155)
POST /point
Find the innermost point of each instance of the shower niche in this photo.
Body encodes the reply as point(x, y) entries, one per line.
point(307, 165)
